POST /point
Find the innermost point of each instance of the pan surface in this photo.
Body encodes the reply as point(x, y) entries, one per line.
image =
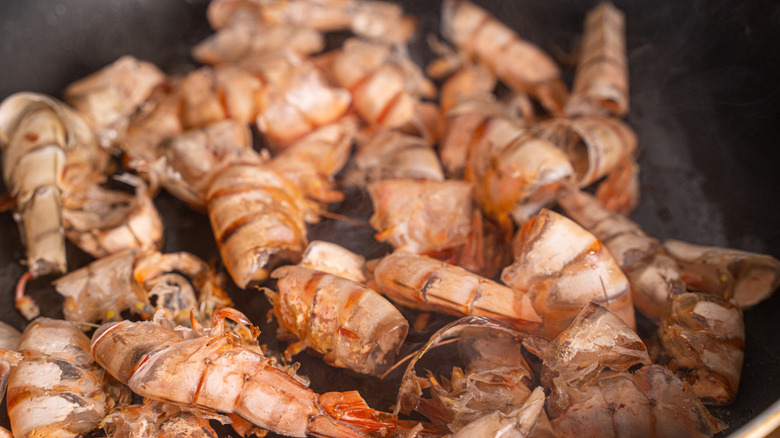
point(705, 101)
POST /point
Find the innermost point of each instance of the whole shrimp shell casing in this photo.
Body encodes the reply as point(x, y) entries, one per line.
point(522, 65)
point(650, 402)
point(56, 390)
point(45, 148)
point(651, 272)
point(562, 268)
point(255, 213)
point(596, 340)
point(595, 145)
point(109, 96)
point(334, 259)
point(705, 335)
point(156, 363)
point(601, 83)
point(428, 284)
point(421, 216)
point(352, 325)
point(747, 277)
point(216, 371)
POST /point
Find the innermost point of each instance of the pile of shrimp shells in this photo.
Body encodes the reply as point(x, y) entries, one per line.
point(181, 223)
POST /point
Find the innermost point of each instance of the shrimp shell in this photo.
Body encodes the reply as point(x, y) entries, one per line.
point(562, 267)
point(601, 82)
point(201, 98)
point(705, 336)
point(383, 85)
point(56, 390)
point(46, 149)
point(595, 145)
point(9, 336)
point(161, 420)
point(516, 424)
point(651, 272)
point(191, 157)
point(108, 97)
point(464, 121)
point(312, 162)
point(216, 372)
point(421, 216)
point(103, 222)
point(393, 155)
point(595, 341)
point(428, 284)
point(181, 282)
point(157, 119)
point(351, 325)
point(255, 214)
point(101, 290)
point(514, 172)
point(746, 277)
point(383, 21)
point(496, 379)
point(651, 402)
point(469, 82)
point(518, 63)
point(9, 342)
point(242, 33)
point(185, 286)
point(334, 259)
point(619, 191)
point(295, 100)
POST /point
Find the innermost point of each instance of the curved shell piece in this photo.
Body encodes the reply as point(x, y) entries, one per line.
point(705, 336)
point(649, 402)
point(513, 171)
point(255, 214)
point(562, 267)
point(351, 325)
point(601, 83)
point(651, 272)
point(428, 284)
point(56, 390)
point(108, 97)
point(334, 259)
point(520, 64)
point(421, 216)
point(595, 341)
point(747, 277)
point(595, 145)
point(47, 149)
point(218, 372)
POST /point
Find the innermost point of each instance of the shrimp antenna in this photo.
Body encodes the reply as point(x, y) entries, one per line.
point(604, 289)
point(412, 354)
point(341, 217)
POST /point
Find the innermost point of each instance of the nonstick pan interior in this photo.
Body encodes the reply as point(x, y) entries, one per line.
point(704, 102)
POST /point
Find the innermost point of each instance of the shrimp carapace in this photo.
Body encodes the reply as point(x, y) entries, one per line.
point(561, 268)
point(351, 325)
point(705, 336)
point(518, 63)
point(601, 83)
point(216, 371)
point(426, 283)
point(58, 379)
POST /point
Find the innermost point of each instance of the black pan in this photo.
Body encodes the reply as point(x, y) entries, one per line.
point(705, 101)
